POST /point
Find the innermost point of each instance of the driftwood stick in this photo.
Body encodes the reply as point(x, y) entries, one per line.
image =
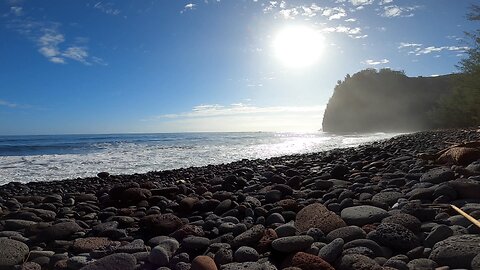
point(467, 216)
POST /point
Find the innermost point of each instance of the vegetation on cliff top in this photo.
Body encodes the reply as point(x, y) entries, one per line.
point(388, 100)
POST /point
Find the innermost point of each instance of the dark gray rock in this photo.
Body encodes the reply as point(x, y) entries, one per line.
point(118, 261)
point(387, 197)
point(332, 251)
point(394, 236)
point(456, 251)
point(348, 233)
point(438, 175)
point(362, 215)
point(249, 237)
point(422, 264)
point(438, 234)
point(292, 243)
point(245, 254)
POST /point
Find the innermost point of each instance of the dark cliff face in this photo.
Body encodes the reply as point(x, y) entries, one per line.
point(385, 100)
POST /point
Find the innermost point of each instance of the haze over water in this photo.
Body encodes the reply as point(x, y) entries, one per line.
point(43, 158)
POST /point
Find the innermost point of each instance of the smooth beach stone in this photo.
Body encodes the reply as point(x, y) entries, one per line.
point(195, 243)
point(387, 197)
point(292, 243)
point(77, 262)
point(362, 215)
point(117, 261)
point(12, 252)
point(288, 229)
point(466, 188)
point(438, 175)
point(316, 215)
point(359, 250)
point(456, 251)
point(348, 233)
point(161, 254)
point(136, 245)
point(394, 236)
point(332, 251)
point(162, 224)
point(422, 264)
point(31, 266)
point(203, 263)
point(438, 234)
point(245, 254)
point(274, 218)
point(18, 224)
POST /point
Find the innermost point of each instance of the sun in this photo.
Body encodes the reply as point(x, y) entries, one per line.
point(298, 46)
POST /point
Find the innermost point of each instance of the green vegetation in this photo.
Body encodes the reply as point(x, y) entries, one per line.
point(388, 100)
point(462, 107)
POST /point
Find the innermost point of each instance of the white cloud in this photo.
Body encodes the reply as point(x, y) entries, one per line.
point(353, 32)
point(396, 11)
point(376, 62)
point(189, 6)
point(244, 117)
point(408, 45)
point(361, 2)
point(289, 13)
point(334, 13)
point(106, 7)
point(52, 43)
point(384, 2)
point(420, 49)
point(351, 20)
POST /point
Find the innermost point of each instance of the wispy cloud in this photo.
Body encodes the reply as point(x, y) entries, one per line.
point(107, 8)
point(189, 6)
point(385, 2)
point(397, 11)
point(52, 43)
point(8, 104)
point(353, 32)
point(361, 2)
point(376, 62)
point(420, 49)
point(17, 11)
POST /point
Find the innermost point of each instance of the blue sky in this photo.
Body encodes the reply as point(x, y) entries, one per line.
point(173, 66)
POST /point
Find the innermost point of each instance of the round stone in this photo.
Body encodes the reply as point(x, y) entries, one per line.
point(332, 251)
point(246, 254)
point(348, 233)
point(203, 263)
point(12, 252)
point(456, 251)
point(117, 261)
point(394, 236)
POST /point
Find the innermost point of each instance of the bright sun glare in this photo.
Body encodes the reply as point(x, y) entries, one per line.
point(298, 46)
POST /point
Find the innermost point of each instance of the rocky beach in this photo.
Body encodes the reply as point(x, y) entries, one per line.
point(383, 205)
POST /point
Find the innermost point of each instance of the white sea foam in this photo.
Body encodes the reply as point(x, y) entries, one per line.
point(122, 154)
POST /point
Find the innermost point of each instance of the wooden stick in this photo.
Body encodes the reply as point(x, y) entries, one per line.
point(467, 216)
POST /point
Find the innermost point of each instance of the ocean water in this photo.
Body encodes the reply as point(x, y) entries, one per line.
point(46, 158)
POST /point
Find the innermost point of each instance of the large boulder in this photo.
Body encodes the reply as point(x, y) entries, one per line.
point(456, 251)
point(12, 252)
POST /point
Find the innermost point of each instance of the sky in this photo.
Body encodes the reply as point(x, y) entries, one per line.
point(81, 66)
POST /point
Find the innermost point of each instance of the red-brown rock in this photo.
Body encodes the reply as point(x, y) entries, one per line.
point(203, 263)
point(306, 261)
point(318, 216)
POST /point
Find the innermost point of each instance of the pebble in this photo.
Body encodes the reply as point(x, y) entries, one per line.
point(118, 261)
point(203, 263)
point(249, 237)
point(348, 233)
point(437, 175)
point(394, 236)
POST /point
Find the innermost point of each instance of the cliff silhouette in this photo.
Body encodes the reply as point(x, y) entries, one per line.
point(384, 100)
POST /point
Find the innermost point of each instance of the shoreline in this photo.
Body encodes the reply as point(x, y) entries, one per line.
point(367, 204)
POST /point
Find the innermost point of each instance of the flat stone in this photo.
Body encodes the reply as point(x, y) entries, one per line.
point(362, 215)
point(348, 233)
point(356, 262)
point(82, 245)
point(422, 264)
point(438, 175)
point(387, 197)
point(318, 216)
point(438, 234)
point(332, 251)
point(60, 231)
point(306, 261)
point(292, 243)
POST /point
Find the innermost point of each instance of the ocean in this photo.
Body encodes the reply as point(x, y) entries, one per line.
point(56, 157)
